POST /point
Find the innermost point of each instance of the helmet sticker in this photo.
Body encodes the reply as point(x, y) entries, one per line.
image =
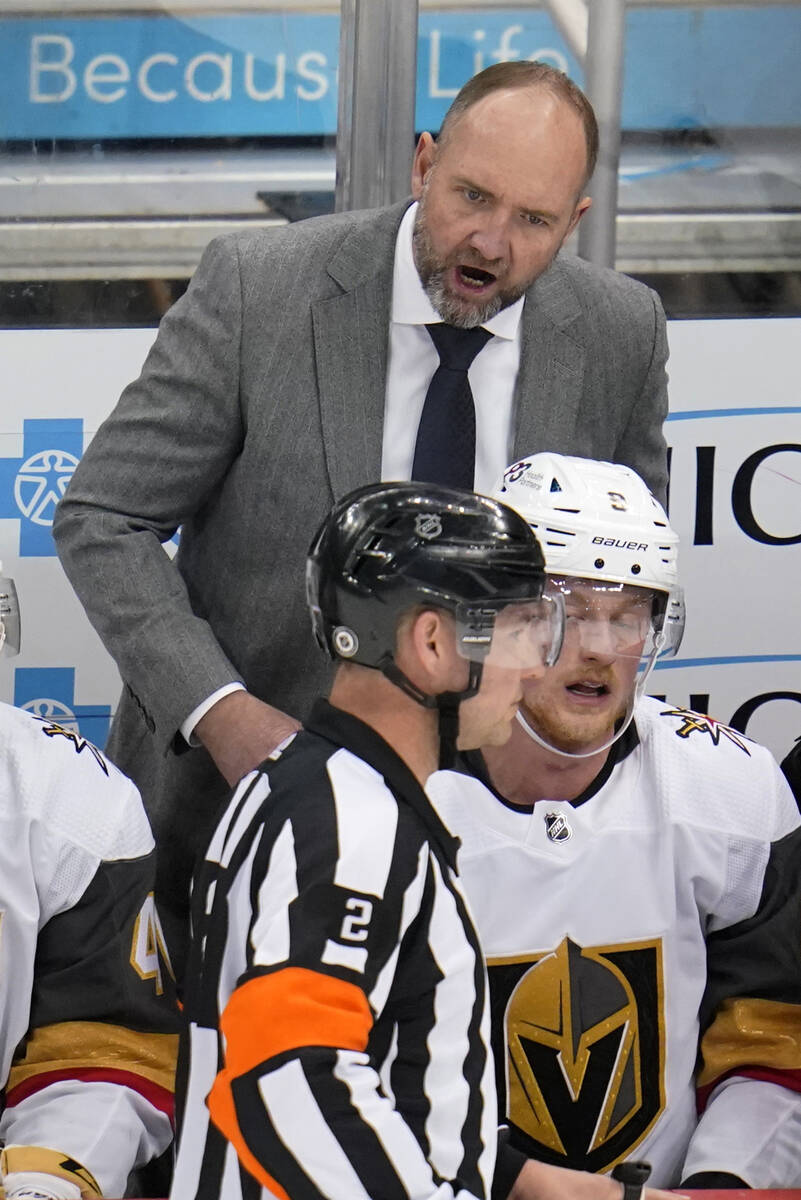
point(428, 526)
point(513, 473)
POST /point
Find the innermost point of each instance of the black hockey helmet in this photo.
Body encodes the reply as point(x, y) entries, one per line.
point(388, 548)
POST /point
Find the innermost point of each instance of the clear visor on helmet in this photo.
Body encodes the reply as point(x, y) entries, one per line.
point(618, 620)
point(519, 634)
point(607, 624)
point(9, 617)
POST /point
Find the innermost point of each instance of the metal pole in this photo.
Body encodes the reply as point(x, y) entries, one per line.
point(377, 88)
point(570, 18)
point(604, 87)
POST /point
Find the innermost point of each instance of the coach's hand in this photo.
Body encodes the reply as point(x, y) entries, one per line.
point(239, 732)
point(539, 1181)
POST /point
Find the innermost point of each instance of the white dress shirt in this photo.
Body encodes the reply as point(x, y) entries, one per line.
point(413, 359)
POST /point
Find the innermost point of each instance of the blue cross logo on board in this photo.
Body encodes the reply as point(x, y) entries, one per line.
point(49, 693)
point(31, 486)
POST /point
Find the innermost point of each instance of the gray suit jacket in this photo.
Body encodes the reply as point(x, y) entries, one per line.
point(261, 402)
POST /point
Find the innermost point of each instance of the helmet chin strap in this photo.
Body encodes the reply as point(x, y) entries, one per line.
point(446, 703)
point(639, 688)
point(448, 707)
point(535, 737)
point(619, 730)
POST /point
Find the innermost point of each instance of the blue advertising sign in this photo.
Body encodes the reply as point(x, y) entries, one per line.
point(246, 74)
point(31, 486)
point(161, 76)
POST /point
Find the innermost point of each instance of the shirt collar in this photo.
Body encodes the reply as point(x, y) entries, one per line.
point(411, 305)
point(348, 731)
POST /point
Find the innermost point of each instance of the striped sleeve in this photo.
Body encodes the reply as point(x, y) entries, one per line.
point(301, 1095)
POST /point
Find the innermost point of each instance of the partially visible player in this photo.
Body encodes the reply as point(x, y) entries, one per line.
point(635, 876)
point(88, 1026)
point(791, 765)
point(338, 1031)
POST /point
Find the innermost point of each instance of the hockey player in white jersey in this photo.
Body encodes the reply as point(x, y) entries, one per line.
point(88, 1028)
point(635, 875)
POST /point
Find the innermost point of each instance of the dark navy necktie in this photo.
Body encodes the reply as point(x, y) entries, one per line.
point(445, 450)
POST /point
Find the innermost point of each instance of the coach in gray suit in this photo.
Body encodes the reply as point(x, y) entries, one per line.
point(295, 369)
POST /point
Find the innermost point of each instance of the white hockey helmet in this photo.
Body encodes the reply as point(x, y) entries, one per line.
point(593, 519)
point(9, 615)
point(598, 521)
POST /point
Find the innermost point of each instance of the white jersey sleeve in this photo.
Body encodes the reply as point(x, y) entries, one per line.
point(88, 1025)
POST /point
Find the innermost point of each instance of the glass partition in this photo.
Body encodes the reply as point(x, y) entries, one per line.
point(709, 196)
point(134, 132)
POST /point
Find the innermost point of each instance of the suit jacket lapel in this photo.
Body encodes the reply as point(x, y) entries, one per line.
point(351, 334)
point(552, 364)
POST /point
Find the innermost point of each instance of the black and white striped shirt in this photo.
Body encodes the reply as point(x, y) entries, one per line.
point(338, 1040)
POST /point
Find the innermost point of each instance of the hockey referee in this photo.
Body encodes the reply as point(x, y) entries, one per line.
point(338, 1036)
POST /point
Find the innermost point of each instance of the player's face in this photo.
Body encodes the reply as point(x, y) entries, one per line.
point(486, 718)
point(497, 200)
point(522, 639)
point(576, 705)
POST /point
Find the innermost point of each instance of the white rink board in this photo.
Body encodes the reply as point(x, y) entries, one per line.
point(736, 504)
point(735, 500)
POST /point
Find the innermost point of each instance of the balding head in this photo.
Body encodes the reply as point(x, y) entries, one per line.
point(538, 76)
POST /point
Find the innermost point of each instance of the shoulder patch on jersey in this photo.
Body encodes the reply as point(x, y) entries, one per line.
point(51, 730)
point(692, 722)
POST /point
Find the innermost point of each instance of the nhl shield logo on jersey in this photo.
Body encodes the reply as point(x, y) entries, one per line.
point(556, 827)
point(584, 1076)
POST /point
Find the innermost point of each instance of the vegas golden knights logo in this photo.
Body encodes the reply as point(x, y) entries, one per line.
point(585, 1049)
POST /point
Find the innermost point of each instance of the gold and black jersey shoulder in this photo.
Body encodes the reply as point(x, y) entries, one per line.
point(103, 1003)
point(751, 1011)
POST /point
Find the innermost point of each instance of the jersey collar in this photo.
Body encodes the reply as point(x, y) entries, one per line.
point(343, 729)
point(472, 763)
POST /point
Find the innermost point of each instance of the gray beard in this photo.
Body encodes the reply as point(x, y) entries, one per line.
point(452, 309)
point(455, 312)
